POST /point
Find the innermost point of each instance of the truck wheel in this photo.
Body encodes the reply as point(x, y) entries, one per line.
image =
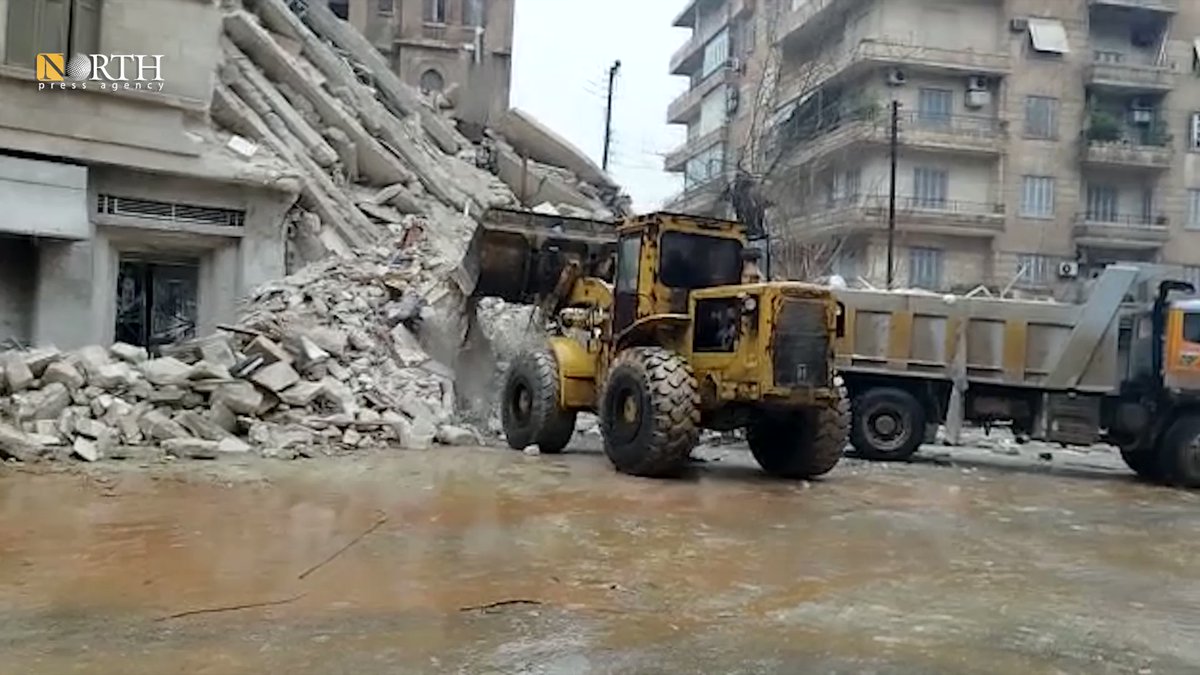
point(530, 412)
point(1143, 462)
point(650, 412)
point(1179, 454)
point(889, 424)
point(805, 444)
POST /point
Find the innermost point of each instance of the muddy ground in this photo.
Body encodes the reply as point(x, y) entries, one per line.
point(490, 561)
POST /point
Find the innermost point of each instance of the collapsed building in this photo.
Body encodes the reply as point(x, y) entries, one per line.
point(280, 140)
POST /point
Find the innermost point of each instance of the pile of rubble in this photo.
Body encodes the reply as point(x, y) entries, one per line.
point(327, 358)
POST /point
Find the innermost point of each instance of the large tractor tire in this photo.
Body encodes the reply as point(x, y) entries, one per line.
point(650, 412)
point(806, 444)
point(1179, 452)
point(888, 425)
point(529, 411)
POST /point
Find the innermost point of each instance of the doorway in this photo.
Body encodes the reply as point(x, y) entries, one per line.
point(156, 302)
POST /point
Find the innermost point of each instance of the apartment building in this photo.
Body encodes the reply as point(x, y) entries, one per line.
point(459, 48)
point(123, 216)
point(1037, 141)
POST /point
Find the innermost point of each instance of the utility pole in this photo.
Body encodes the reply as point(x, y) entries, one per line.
point(612, 83)
point(895, 151)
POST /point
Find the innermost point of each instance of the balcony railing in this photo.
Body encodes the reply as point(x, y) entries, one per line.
point(913, 214)
point(1171, 6)
point(1120, 70)
point(457, 35)
point(1139, 230)
point(694, 47)
point(679, 110)
point(677, 158)
point(937, 131)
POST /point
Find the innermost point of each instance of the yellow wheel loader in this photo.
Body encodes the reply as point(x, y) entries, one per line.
point(662, 326)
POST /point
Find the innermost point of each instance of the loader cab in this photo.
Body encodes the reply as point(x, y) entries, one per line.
point(662, 258)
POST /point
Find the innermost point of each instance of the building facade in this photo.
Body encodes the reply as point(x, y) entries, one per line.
point(124, 216)
point(1036, 141)
point(459, 48)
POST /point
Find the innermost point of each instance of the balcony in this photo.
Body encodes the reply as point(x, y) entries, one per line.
point(1126, 154)
point(804, 14)
point(687, 105)
point(677, 158)
point(688, 58)
point(1116, 70)
point(1165, 6)
point(964, 134)
point(1121, 231)
point(938, 217)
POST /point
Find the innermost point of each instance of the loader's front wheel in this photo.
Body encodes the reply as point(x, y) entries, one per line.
point(802, 444)
point(650, 412)
point(530, 412)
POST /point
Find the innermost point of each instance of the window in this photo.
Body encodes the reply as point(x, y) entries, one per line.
point(1195, 132)
point(925, 268)
point(435, 11)
point(387, 6)
point(934, 107)
point(1101, 203)
point(340, 9)
point(704, 166)
point(1049, 36)
point(716, 53)
point(749, 35)
point(713, 111)
point(1037, 196)
point(930, 187)
point(1191, 327)
point(1193, 221)
point(1041, 117)
point(1038, 270)
point(852, 185)
point(475, 13)
point(697, 261)
point(432, 81)
point(51, 26)
point(628, 264)
point(1191, 274)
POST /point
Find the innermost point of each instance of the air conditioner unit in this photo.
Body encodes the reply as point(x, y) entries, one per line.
point(977, 83)
point(736, 65)
point(1142, 116)
point(1018, 25)
point(896, 77)
point(978, 99)
point(1068, 270)
point(733, 99)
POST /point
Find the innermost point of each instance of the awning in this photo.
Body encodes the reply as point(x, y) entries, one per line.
point(1049, 36)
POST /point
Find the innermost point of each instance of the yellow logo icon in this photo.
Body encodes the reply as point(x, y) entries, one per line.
point(51, 68)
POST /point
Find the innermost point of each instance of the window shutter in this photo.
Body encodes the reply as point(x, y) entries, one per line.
point(85, 27)
point(53, 23)
point(20, 44)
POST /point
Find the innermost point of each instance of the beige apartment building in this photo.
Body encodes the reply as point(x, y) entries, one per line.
point(122, 215)
point(459, 48)
point(1037, 141)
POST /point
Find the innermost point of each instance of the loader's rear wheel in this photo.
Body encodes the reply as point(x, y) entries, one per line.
point(803, 444)
point(1180, 453)
point(650, 412)
point(889, 424)
point(530, 412)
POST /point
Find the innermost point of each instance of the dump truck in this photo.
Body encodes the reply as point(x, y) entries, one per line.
point(1123, 368)
point(662, 326)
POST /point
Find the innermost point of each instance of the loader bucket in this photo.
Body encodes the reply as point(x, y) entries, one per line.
point(517, 256)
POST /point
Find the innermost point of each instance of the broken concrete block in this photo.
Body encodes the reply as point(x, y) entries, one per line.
point(351, 437)
point(223, 417)
point(241, 398)
point(338, 396)
point(448, 434)
point(139, 389)
point(206, 370)
point(169, 395)
point(309, 352)
point(18, 375)
point(232, 445)
point(201, 426)
point(91, 358)
point(269, 350)
point(129, 353)
point(114, 377)
point(61, 371)
point(331, 340)
point(166, 371)
point(216, 351)
point(46, 404)
point(301, 394)
point(85, 449)
point(156, 425)
point(277, 437)
point(37, 359)
point(275, 377)
point(46, 428)
point(17, 444)
point(93, 429)
point(368, 416)
point(193, 448)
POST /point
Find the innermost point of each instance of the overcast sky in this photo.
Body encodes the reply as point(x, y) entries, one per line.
point(562, 52)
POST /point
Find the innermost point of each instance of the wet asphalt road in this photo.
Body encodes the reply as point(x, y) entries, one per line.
point(488, 561)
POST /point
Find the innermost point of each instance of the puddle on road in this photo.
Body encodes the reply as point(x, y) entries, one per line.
point(918, 569)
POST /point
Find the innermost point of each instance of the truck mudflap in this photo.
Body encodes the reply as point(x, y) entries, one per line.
point(519, 256)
